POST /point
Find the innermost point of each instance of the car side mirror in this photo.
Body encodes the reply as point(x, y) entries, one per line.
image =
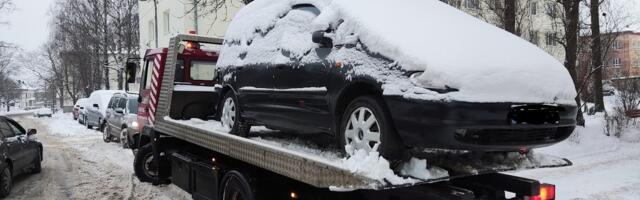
point(32, 131)
point(96, 106)
point(319, 38)
point(119, 110)
point(131, 68)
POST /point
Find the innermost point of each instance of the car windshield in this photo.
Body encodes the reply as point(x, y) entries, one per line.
point(133, 106)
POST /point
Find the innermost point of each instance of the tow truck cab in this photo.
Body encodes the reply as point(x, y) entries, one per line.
point(194, 85)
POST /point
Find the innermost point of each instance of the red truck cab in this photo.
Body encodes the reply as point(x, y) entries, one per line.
point(194, 85)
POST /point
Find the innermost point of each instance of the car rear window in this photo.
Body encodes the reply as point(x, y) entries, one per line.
point(133, 106)
point(202, 70)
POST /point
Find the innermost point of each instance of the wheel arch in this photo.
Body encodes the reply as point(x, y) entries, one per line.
point(354, 89)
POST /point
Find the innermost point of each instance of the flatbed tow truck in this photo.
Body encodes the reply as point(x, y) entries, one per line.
point(211, 164)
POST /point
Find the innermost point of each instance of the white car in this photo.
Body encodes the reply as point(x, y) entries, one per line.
point(41, 112)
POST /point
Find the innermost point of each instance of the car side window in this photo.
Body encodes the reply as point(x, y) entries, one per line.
point(17, 129)
point(5, 129)
point(295, 30)
point(122, 103)
point(112, 102)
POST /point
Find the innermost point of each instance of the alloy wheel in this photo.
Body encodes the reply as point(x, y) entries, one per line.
point(150, 169)
point(363, 130)
point(228, 117)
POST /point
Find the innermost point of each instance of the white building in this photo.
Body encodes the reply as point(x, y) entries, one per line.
point(176, 17)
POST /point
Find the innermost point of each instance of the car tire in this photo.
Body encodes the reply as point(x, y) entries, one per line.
point(6, 181)
point(89, 126)
point(230, 116)
point(106, 136)
point(37, 165)
point(235, 186)
point(367, 132)
point(124, 138)
point(143, 164)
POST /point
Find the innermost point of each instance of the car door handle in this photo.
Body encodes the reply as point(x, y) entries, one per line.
point(280, 66)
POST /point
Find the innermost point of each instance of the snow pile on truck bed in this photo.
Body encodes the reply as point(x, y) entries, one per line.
point(453, 49)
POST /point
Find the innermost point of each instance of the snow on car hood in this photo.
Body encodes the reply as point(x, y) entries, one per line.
point(485, 63)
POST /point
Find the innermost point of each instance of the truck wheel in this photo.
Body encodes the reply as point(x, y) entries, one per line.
point(144, 165)
point(6, 181)
point(236, 187)
point(366, 125)
point(106, 136)
point(231, 117)
point(124, 138)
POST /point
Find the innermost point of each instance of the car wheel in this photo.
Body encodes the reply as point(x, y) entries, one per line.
point(235, 186)
point(106, 136)
point(230, 116)
point(366, 125)
point(124, 138)
point(88, 124)
point(144, 166)
point(6, 181)
point(37, 165)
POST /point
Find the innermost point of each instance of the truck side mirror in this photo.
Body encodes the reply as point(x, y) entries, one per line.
point(131, 72)
point(319, 38)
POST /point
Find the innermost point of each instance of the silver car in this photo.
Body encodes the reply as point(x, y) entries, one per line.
point(120, 118)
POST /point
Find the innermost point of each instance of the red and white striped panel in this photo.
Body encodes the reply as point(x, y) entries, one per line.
point(155, 88)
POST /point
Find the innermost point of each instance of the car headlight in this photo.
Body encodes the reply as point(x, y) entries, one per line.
point(414, 78)
point(134, 124)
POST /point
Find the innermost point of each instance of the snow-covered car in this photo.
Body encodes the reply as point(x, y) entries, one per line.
point(96, 108)
point(423, 75)
point(20, 153)
point(42, 112)
point(78, 109)
point(121, 119)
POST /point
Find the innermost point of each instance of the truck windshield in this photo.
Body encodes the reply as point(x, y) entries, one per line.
point(202, 70)
point(133, 106)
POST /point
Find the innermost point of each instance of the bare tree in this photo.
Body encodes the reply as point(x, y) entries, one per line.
point(5, 6)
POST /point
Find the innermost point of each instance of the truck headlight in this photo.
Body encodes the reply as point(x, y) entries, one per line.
point(414, 78)
point(134, 124)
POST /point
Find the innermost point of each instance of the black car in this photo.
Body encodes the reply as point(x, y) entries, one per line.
point(19, 153)
point(337, 85)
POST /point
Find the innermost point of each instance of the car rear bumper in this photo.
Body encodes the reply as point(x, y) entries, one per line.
point(480, 126)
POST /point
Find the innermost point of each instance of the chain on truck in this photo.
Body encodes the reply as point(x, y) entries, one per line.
point(211, 164)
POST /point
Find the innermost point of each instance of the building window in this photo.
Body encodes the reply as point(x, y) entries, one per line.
point(151, 31)
point(636, 45)
point(472, 4)
point(533, 37)
point(616, 62)
point(617, 45)
point(165, 22)
point(636, 63)
point(551, 10)
point(550, 39)
point(534, 8)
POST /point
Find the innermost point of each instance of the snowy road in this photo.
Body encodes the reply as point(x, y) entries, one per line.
point(79, 165)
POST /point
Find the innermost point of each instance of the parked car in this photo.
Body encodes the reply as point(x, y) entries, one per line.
point(42, 112)
point(96, 109)
point(78, 108)
point(386, 84)
point(121, 119)
point(19, 153)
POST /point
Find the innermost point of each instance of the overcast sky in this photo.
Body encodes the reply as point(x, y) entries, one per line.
point(28, 26)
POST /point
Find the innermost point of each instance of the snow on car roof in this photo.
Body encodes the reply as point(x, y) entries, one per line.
point(454, 49)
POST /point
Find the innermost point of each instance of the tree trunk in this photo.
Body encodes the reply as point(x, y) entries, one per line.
point(596, 55)
point(106, 47)
point(572, 10)
point(510, 16)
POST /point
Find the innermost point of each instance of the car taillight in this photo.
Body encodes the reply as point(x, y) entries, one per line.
point(547, 192)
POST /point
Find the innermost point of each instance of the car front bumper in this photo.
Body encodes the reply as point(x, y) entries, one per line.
point(480, 126)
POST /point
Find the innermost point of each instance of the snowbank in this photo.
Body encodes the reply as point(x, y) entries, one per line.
point(485, 63)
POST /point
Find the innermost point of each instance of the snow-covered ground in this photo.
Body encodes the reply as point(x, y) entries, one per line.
point(79, 165)
point(13, 111)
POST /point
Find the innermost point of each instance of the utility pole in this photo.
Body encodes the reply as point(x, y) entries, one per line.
point(155, 16)
point(195, 16)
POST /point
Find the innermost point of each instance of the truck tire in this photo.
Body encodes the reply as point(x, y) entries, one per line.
point(235, 187)
point(143, 164)
point(365, 124)
point(6, 181)
point(230, 116)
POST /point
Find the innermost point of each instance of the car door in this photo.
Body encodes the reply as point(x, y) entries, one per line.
point(300, 85)
point(15, 144)
point(109, 112)
point(28, 145)
point(118, 118)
